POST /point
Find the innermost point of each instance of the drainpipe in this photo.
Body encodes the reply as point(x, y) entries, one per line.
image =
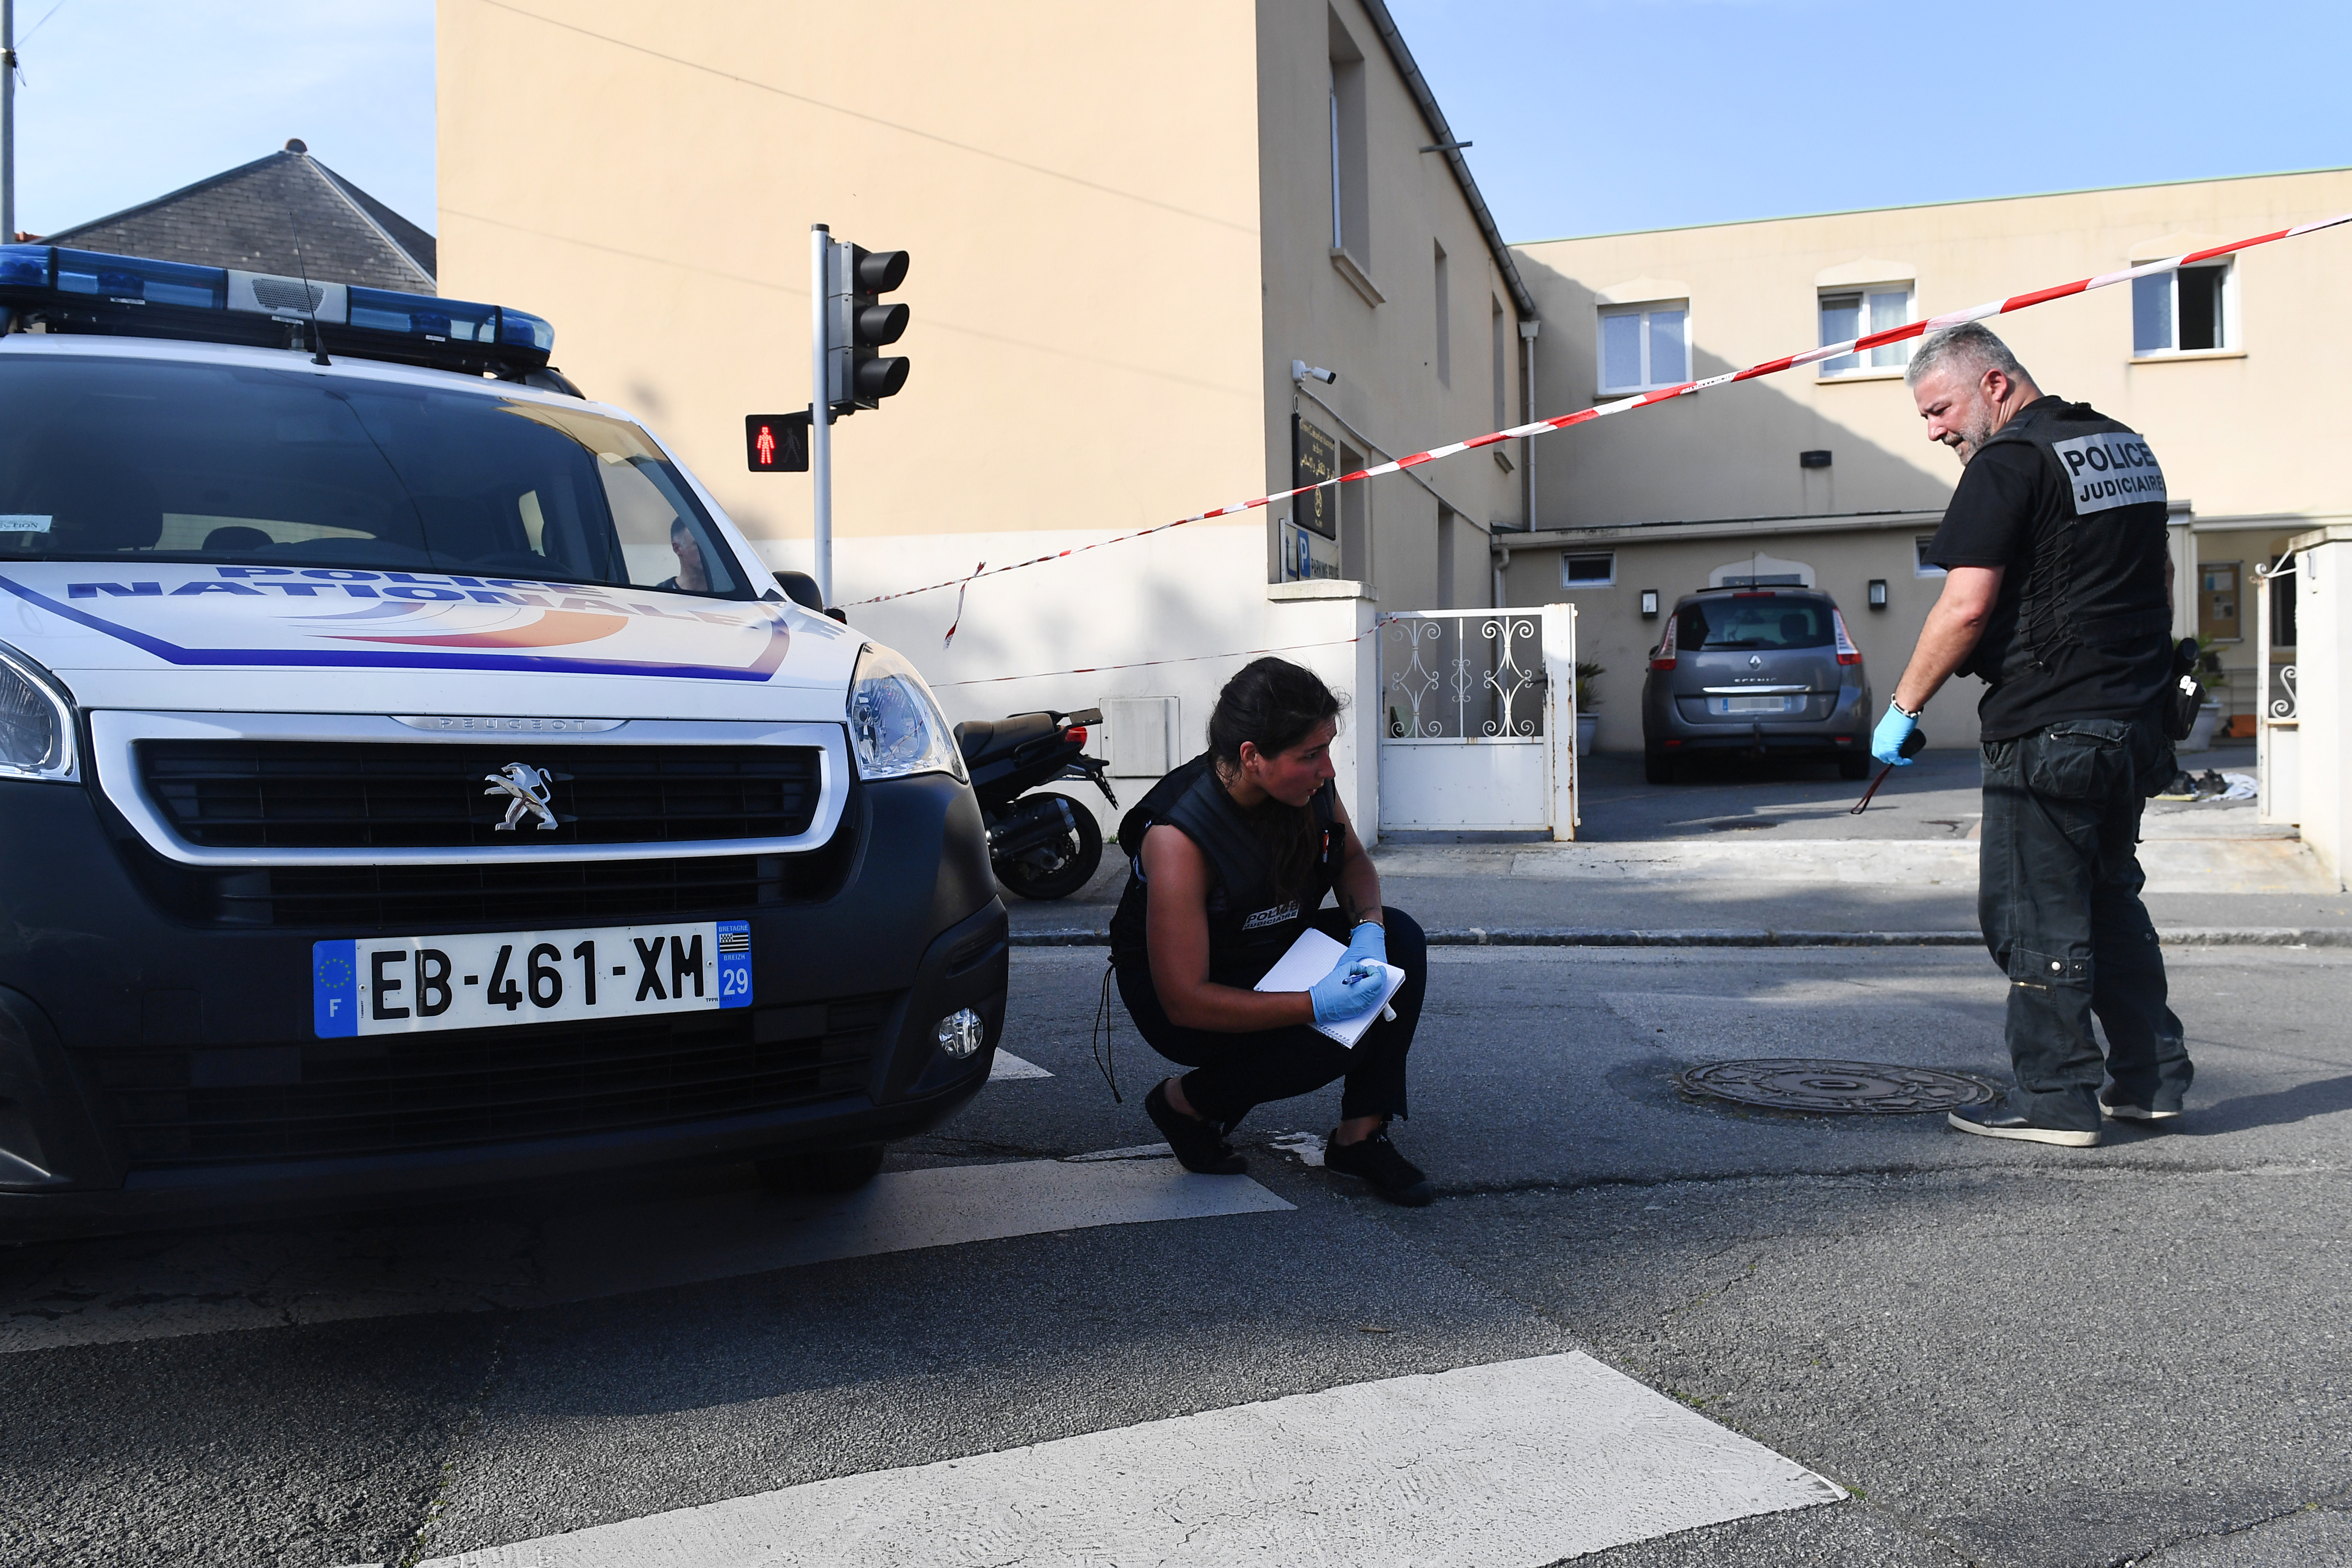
point(1502, 557)
point(1527, 416)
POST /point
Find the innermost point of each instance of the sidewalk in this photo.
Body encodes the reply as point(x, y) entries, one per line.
point(1756, 859)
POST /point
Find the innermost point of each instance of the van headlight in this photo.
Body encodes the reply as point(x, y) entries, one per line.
point(894, 727)
point(36, 722)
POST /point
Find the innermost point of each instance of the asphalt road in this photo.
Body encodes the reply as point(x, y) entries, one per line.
point(1850, 1341)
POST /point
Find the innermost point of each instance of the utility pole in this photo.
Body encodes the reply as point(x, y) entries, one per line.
point(820, 400)
point(7, 121)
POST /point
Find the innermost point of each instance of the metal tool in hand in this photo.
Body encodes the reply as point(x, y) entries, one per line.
point(1913, 744)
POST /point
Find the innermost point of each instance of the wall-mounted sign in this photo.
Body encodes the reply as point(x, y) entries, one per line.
point(1314, 457)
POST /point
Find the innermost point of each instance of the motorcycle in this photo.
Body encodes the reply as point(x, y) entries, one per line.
point(1042, 846)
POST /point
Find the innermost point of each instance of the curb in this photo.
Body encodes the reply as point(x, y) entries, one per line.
point(1475, 936)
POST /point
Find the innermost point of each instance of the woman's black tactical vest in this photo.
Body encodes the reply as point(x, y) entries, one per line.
point(2082, 586)
point(1251, 919)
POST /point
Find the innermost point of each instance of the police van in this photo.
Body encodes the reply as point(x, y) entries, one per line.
point(410, 780)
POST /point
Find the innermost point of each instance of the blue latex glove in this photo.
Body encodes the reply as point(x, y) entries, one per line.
point(1352, 987)
point(1886, 740)
point(1369, 939)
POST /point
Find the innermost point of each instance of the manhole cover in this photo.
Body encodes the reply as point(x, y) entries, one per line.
point(1874, 1088)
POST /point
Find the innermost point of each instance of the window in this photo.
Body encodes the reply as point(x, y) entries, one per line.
point(1644, 346)
point(2185, 310)
point(1588, 571)
point(1920, 565)
point(2281, 604)
point(1350, 230)
point(1502, 366)
point(2217, 600)
point(1754, 621)
point(1445, 323)
point(1855, 312)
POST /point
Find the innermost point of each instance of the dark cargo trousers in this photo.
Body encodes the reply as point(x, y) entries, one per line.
point(2058, 894)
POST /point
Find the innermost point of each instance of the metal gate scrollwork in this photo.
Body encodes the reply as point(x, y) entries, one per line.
point(1463, 675)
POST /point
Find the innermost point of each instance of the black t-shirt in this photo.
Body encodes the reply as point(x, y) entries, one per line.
point(2012, 498)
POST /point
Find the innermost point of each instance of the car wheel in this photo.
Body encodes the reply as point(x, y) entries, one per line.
point(1853, 767)
point(826, 1171)
point(1072, 862)
point(1657, 768)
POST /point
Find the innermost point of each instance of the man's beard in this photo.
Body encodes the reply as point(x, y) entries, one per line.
point(1974, 435)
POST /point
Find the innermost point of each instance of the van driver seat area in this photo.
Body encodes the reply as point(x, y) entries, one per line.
point(983, 740)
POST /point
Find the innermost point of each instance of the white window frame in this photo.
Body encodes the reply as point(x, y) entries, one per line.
point(2228, 267)
point(1886, 360)
point(1644, 311)
point(1919, 563)
point(1568, 555)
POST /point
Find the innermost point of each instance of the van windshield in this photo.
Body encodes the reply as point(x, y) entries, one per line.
point(1755, 621)
point(156, 460)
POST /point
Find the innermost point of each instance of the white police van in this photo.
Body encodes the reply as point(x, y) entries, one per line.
point(410, 779)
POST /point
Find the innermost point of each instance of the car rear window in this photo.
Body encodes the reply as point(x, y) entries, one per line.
point(1754, 621)
point(109, 460)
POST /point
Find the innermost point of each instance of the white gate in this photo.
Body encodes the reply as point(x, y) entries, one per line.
point(1477, 720)
point(2278, 726)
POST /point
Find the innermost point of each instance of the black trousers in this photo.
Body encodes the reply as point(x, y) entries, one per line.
point(1231, 1073)
point(2058, 894)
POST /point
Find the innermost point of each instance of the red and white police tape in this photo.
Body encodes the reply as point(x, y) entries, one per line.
point(1140, 663)
point(1582, 416)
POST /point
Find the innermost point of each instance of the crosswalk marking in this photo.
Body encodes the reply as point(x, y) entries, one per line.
point(1515, 1463)
point(213, 1282)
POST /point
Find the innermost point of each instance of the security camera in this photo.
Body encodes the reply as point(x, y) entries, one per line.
point(1301, 371)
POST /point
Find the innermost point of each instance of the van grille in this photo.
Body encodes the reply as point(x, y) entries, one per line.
point(294, 795)
point(467, 1088)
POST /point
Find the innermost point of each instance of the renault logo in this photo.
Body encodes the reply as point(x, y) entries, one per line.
point(1754, 661)
point(525, 790)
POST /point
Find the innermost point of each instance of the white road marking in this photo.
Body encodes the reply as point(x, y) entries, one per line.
point(1521, 1462)
point(159, 1287)
point(1008, 1066)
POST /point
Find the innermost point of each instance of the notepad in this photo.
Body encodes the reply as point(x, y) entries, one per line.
point(1310, 958)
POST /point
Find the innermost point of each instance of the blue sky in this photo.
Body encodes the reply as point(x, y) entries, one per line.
point(1589, 115)
point(1600, 116)
point(121, 101)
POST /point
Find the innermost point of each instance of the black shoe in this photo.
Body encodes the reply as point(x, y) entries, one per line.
point(1993, 1122)
point(2124, 1110)
point(1376, 1160)
point(1197, 1145)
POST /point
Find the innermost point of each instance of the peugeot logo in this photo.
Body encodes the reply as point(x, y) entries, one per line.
point(1754, 661)
point(525, 790)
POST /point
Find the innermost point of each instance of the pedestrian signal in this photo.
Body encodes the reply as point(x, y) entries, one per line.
point(776, 443)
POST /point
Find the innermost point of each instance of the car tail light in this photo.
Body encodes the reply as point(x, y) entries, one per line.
point(1847, 652)
point(1076, 734)
point(1664, 658)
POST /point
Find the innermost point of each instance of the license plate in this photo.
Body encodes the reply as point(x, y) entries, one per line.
point(1756, 704)
point(405, 984)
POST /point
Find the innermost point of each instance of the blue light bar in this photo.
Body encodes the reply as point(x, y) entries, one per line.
point(117, 286)
point(424, 316)
point(124, 278)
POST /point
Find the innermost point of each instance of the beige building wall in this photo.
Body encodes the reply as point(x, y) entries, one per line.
point(1119, 219)
point(2244, 433)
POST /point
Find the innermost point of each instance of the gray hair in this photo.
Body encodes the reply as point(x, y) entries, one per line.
point(1967, 347)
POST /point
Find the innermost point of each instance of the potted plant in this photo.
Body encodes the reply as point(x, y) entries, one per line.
point(1587, 720)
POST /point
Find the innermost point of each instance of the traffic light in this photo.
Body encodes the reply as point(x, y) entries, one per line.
point(859, 326)
point(776, 443)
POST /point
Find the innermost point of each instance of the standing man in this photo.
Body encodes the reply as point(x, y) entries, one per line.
point(2054, 550)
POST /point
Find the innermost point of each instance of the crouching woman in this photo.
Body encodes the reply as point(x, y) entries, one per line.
point(1233, 854)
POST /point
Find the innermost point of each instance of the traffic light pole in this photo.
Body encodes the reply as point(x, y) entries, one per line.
point(820, 404)
point(7, 121)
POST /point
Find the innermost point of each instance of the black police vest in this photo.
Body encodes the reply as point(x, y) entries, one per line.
point(1253, 920)
point(2079, 586)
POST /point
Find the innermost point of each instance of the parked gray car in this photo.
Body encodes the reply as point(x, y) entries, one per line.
point(1755, 672)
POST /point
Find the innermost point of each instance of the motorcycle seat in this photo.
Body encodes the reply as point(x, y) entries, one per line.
point(984, 740)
